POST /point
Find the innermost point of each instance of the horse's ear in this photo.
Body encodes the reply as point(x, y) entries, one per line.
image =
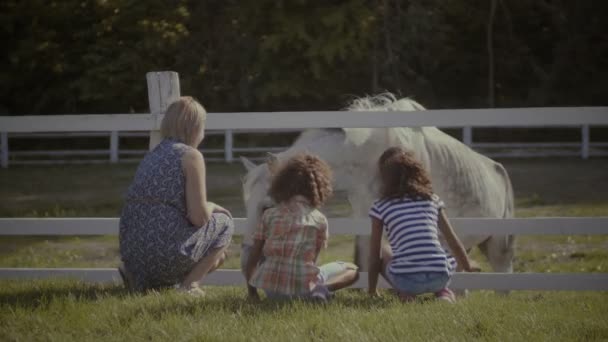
point(273, 163)
point(249, 165)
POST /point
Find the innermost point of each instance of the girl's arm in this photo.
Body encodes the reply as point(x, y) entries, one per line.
point(254, 258)
point(322, 237)
point(375, 264)
point(453, 242)
point(199, 210)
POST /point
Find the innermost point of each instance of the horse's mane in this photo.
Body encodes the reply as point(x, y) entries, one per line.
point(382, 103)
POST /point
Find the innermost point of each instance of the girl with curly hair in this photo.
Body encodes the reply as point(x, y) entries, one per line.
point(411, 215)
point(291, 234)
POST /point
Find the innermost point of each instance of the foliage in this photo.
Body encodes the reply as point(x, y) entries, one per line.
point(91, 55)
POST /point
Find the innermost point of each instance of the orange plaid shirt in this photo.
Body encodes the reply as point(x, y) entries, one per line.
point(294, 233)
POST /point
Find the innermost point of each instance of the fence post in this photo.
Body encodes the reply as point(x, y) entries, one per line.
point(114, 147)
point(467, 136)
point(4, 150)
point(228, 145)
point(163, 89)
point(585, 142)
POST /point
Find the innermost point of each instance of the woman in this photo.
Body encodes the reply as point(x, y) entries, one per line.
point(169, 233)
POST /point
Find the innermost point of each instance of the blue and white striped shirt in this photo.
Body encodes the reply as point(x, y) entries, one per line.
point(411, 229)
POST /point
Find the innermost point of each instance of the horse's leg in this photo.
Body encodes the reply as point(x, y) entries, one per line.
point(499, 250)
point(362, 252)
point(360, 204)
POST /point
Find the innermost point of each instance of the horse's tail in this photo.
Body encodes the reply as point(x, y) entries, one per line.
point(509, 204)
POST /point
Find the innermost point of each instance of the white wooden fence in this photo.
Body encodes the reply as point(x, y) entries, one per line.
point(163, 88)
point(585, 148)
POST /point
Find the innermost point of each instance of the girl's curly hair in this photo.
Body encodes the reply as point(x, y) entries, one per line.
point(402, 175)
point(305, 175)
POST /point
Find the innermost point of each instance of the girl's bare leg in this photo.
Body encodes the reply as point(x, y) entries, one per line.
point(344, 279)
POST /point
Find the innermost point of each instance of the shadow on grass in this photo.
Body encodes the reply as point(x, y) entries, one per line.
point(42, 294)
point(158, 303)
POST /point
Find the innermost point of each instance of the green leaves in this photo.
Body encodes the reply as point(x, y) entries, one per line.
point(92, 55)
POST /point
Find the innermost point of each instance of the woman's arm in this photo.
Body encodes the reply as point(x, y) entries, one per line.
point(453, 242)
point(199, 210)
point(375, 264)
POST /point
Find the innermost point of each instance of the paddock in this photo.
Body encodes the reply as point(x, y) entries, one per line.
point(163, 88)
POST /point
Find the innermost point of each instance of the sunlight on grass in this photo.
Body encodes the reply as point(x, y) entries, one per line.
point(59, 310)
point(67, 310)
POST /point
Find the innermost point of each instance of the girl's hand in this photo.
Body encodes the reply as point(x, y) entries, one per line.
point(473, 267)
point(252, 293)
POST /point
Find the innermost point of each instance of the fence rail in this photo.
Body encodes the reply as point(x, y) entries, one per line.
point(339, 226)
point(469, 281)
point(114, 154)
point(163, 88)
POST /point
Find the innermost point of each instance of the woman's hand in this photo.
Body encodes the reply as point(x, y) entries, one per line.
point(219, 209)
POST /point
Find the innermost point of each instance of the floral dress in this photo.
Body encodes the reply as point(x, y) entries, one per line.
point(158, 244)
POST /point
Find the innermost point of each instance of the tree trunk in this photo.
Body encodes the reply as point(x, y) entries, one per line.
point(388, 42)
point(490, 44)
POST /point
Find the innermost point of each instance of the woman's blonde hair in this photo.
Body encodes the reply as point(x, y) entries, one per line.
point(184, 120)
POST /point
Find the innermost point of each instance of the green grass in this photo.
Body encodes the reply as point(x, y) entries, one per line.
point(67, 310)
point(63, 311)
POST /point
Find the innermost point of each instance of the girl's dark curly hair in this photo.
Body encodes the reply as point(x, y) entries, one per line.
point(305, 175)
point(402, 175)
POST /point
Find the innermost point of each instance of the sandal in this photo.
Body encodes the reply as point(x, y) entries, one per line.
point(446, 295)
point(193, 290)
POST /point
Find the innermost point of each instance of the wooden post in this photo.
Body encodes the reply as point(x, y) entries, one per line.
point(228, 145)
point(4, 150)
point(163, 89)
point(114, 147)
point(467, 136)
point(585, 142)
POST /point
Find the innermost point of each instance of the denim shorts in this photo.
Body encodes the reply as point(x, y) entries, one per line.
point(419, 283)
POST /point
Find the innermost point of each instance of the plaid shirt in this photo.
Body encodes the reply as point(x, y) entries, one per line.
point(293, 233)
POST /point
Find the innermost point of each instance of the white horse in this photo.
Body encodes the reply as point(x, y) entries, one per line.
point(470, 184)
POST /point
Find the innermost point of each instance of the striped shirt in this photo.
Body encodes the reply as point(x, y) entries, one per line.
point(411, 228)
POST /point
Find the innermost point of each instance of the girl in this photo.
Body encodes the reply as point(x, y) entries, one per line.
point(411, 214)
point(291, 235)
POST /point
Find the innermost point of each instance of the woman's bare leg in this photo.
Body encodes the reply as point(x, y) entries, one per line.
point(207, 264)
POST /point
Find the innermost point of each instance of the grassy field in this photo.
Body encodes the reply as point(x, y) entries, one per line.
point(67, 310)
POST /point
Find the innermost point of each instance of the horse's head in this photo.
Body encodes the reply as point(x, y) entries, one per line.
point(255, 191)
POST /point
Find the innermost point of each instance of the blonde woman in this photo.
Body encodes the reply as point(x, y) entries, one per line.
point(169, 233)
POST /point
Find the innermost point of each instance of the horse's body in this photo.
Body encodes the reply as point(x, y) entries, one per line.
point(470, 184)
